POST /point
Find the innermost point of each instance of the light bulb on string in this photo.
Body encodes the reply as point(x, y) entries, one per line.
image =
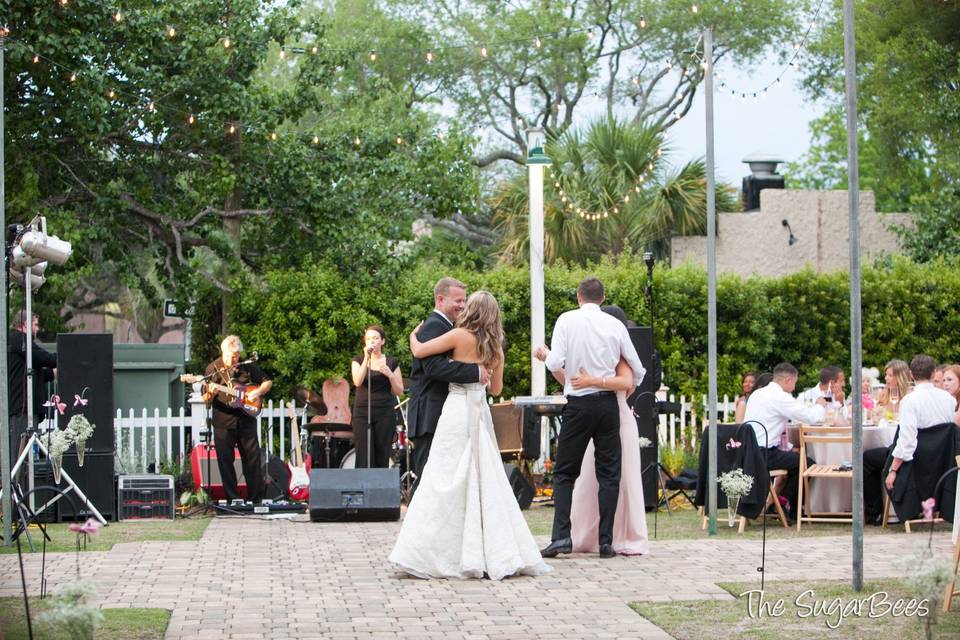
point(590, 34)
point(226, 43)
point(429, 56)
point(626, 198)
point(537, 43)
point(232, 130)
point(636, 80)
point(399, 140)
point(273, 135)
point(314, 49)
point(151, 107)
point(64, 3)
point(483, 51)
point(637, 189)
point(659, 152)
point(643, 22)
point(356, 141)
point(36, 59)
point(372, 55)
point(283, 53)
point(191, 119)
point(117, 17)
point(616, 211)
point(171, 32)
point(111, 94)
point(694, 8)
point(316, 139)
point(73, 77)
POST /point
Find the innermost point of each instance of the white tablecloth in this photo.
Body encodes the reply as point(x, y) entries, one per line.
point(836, 494)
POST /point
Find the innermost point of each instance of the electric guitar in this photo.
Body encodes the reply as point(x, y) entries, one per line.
point(239, 398)
point(300, 469)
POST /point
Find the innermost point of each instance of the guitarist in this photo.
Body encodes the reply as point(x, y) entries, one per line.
point(231, 426)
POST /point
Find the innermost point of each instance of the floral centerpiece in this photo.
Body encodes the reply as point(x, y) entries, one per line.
point(81, 429)
point(57, 444)
point(735, 485)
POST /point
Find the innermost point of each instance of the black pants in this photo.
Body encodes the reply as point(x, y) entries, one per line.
point(595, 417)
point(421, 451)
point(384, 425)
point(243, 437)
point(789, 461)
point(873, 487)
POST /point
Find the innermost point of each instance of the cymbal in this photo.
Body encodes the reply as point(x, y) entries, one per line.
point(310, 398)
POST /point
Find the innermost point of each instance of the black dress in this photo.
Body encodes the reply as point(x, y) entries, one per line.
point(382, 417)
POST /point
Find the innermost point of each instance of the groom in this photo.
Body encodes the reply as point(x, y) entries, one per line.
point(429, 377)
point(589, 340)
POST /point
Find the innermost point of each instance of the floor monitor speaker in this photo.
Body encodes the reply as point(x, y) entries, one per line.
point(354, 495)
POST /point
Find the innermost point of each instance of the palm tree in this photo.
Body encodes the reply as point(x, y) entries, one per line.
point(608, 192)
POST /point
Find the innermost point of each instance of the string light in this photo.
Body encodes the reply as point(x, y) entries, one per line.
point(273, 135)
point(483, 51)
point(36, 59)
point(694, 9)
point(171, 32)
point(429, 56)
point(537, 43)
point(191, 119)
point(399, 140)
point(226, 43)
point(232, 129)
point(283, 53)
point(73, 77)
point(117, 17)
point(151, 107)
point(643, 22)
point(316, 139)
point(64, 3)
point(356, 141)
point(314, 49)
point(590, 34)
point(111, 94)
point(373, 55)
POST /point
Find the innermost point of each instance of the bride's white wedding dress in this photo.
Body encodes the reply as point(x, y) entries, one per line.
point(464, 521)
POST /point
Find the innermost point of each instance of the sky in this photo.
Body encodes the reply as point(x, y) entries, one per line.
point(777, 124)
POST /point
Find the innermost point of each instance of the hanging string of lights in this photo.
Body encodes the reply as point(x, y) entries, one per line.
point(793, 63)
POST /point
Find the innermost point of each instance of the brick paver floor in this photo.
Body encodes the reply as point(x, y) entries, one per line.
point(250, 578)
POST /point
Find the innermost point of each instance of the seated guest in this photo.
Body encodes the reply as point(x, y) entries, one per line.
point(951, 384)
point(831, 386)
point(896, 376)
point(925, 407)
point(937, 378)
point(749, 380)
point(763, 380)
point(772, 406)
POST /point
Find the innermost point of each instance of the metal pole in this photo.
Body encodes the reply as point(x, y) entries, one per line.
point(711, 281)
point(856, 357)
point(6, 505)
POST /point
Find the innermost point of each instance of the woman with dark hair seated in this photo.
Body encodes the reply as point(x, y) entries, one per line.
point(747, 384)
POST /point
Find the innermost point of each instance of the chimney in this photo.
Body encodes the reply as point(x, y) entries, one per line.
point(763, 168)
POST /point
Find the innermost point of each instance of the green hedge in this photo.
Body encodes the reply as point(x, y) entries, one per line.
point(307, 324)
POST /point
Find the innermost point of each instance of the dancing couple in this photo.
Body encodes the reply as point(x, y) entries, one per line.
point(464, 521)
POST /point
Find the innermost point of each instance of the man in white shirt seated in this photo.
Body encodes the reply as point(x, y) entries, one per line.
point(831, 386)
point(924, 407)
point(771, 407)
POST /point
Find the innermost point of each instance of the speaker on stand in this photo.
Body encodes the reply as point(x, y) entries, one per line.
point(643, 401)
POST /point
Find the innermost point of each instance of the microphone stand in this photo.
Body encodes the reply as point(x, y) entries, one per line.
point(763, 514)
point(369, 413)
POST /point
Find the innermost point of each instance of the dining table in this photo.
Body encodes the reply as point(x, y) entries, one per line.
point(835, 495)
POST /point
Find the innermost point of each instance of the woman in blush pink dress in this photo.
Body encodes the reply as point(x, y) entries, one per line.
point(630, 520)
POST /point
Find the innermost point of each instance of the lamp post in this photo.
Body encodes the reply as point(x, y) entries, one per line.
point(537, 160)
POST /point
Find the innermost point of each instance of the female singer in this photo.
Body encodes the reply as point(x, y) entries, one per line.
point(386, 383)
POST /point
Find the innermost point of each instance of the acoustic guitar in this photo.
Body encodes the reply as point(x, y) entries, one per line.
point(239, 393)
point(300, 469)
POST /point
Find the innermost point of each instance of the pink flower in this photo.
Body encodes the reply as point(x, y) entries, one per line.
point(733, 444)
point(54, 401)
point(928, 506)
point(91, 527)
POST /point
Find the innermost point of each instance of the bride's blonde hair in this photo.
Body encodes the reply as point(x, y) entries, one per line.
point(481, 317)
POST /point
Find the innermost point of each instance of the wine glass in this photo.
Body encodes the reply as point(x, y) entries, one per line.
point(894, 400)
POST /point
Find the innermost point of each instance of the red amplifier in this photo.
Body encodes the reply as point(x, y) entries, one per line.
point(204, 454)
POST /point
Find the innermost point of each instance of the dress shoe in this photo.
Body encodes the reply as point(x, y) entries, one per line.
point(557, 547)
point(606, 551)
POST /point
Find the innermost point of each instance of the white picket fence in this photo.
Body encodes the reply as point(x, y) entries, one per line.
point(144, 437)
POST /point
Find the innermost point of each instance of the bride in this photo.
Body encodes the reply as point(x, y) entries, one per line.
point(464, 521)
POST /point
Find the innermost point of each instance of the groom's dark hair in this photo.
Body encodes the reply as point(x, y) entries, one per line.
point(590, 290)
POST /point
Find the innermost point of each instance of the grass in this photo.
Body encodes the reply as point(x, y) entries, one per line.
point(685, 523)
point(118, 624)
point(692, 620)
point(62, 539)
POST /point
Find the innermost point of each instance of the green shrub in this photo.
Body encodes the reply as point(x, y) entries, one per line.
point(308, 324)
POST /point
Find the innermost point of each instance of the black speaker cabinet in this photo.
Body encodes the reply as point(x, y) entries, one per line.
point(521, 487)
point(354, 495)
point(643, 402)
point(95, 479)
point(85, 368)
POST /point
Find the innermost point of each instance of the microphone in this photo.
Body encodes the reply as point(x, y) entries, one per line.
point(253, 358)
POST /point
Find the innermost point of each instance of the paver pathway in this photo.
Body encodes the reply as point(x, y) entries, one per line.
point(249, 578)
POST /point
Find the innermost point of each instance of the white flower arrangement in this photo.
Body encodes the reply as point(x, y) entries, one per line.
point(736, 483)
point(645, 442)
point(58, 442)
point(80, 427)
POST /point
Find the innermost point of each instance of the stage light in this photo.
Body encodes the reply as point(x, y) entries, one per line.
point(46, 247)
point(36, 281)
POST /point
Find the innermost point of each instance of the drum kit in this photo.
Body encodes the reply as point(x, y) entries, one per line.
point(331, 433)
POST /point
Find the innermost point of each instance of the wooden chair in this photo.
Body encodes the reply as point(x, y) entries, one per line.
point(833, 435)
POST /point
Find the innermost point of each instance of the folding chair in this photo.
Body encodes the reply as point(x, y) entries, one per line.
point(831, 435)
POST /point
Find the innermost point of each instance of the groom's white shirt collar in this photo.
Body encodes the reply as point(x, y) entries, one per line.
point(444, 316)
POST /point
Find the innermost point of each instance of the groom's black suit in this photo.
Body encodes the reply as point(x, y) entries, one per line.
point(429, 378)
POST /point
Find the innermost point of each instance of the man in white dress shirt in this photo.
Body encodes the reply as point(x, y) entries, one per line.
point(772, 406)
point(831, 386)
point(924, 407)
point(593, 341)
